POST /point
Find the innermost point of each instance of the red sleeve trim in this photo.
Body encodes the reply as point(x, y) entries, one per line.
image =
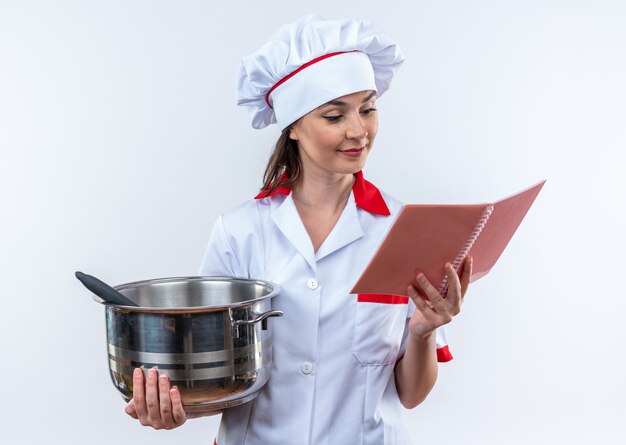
point(382, 298)
point(443, 354)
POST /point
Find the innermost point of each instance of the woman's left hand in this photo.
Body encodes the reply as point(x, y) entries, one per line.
point(439, 310)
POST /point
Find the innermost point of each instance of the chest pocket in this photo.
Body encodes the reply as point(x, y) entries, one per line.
point(378, 328)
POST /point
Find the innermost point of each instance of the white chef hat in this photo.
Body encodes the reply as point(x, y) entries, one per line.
point(312, 61)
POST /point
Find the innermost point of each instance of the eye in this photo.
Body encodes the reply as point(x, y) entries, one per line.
point(333, 118)
point(368, 111)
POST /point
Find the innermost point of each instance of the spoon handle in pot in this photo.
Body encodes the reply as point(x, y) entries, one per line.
point(103, 290)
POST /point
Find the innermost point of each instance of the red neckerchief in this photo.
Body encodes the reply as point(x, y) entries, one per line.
point(366, 195)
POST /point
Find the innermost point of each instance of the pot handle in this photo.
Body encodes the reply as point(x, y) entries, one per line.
point(262, 318)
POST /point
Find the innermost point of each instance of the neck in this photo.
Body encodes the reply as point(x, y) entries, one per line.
point(323, 192)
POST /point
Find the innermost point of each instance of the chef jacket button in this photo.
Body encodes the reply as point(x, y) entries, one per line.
point(306, 368)
point(312, 284)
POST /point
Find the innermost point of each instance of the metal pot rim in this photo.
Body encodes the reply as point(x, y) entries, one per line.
point(275, 290)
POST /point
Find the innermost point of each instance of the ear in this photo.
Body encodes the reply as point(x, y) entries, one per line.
point(293, 133)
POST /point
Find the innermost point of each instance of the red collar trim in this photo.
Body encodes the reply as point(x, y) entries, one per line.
point(366, 195)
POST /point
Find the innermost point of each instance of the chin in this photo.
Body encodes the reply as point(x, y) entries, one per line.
point(351, 169)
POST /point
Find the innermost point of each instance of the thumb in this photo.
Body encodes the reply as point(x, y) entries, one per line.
point(130, 409)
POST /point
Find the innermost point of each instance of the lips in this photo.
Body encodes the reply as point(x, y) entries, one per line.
point(353, 152)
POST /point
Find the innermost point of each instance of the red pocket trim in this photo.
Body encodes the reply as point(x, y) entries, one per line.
point(382, 298)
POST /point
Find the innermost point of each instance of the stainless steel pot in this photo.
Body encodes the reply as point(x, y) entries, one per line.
point(209, 334)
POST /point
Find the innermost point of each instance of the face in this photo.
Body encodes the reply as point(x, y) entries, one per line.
point(336, 137)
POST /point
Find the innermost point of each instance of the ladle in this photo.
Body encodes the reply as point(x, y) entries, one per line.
point(103, 290)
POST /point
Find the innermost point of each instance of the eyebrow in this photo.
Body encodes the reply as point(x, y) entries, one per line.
point(342, 103)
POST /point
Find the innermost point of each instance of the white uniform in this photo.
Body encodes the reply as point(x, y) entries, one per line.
point(333, 353)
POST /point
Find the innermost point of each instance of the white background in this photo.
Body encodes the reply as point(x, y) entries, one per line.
point(120, 143)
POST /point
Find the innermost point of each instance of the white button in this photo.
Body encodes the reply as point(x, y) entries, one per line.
point(312, 284)
point(306, 368)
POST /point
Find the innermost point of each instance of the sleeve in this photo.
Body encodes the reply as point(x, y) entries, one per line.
point(443, 351)
point(220, 258)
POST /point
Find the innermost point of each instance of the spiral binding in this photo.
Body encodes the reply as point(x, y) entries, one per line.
point(456, 264)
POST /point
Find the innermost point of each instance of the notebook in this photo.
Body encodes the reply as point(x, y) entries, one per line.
point(426, 236)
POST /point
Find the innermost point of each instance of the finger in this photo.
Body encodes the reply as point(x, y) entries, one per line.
point(453, 295)
point(466, 275)
point(164, 401)
point(433, 295)
point(178, 412)
point(419, 302)
point(152, 399)
point(130, 409)
point(139, 396)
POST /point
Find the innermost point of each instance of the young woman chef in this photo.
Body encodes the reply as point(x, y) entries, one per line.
point(343, 365)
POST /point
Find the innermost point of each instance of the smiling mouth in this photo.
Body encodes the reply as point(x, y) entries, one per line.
point(353, 152)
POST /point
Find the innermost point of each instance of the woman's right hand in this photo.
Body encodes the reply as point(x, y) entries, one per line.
point(155, 403)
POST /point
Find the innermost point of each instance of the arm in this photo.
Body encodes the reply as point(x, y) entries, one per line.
point(416, 372)
point(156, 403)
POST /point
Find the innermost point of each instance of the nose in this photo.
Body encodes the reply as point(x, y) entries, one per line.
point(356, 128)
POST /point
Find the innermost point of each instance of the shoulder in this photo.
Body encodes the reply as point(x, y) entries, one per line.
point(237, 240)
point(245, 209)
point(376, 224)
point(370, 198)
point(249, 216)
point(241, 218)
point(393, 204)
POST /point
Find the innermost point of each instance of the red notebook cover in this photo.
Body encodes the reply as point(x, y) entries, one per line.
point(426, 236)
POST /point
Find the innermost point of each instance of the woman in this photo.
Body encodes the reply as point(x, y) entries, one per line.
point(344, 365)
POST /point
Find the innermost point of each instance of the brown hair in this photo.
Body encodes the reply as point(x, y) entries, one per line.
point(285, 159)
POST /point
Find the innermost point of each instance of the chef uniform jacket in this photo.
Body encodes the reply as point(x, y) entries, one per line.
point(332, 376)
